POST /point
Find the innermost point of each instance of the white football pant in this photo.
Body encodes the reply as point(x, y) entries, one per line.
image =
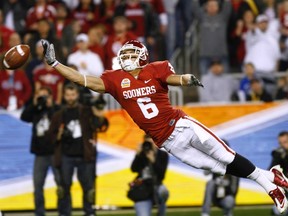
point(196, 145)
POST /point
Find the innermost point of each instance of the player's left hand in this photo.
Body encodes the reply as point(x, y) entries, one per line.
point(190, 80)
point(194, 81)
point(48, 52)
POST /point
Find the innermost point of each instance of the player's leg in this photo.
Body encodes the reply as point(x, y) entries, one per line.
point(180, 148)
point(186, 145)
point(239, 166)
point(278, 178)
point(196, 145)
point(216, 148)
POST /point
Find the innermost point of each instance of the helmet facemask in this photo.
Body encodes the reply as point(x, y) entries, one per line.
point(131, 57)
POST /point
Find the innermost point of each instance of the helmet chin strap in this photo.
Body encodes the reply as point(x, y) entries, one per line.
point(129, 65)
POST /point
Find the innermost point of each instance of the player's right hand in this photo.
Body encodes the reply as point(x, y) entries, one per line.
point(49, 52)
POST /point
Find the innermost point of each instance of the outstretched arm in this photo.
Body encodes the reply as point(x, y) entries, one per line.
point(92, 82)
point(183, 80)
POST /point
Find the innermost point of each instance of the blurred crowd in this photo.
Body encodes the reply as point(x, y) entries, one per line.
point(234, 36)
point(243, 36)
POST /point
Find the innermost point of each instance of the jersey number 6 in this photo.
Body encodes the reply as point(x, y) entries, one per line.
point(148, 109)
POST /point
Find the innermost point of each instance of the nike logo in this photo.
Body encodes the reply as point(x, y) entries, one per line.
point(146, 81)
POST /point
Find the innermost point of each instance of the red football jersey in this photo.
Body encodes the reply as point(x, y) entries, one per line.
point(145, 98)
point(49, 78)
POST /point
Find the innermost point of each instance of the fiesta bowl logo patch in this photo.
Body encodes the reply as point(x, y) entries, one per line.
point(125, 83)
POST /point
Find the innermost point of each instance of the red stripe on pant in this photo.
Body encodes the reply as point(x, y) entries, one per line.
point(212, 134)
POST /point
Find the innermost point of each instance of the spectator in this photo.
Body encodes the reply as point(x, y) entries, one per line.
point(213, 23)
point(262, 47)
point(283, 17)
point(183, 18)
point(256, 6)
point(97, 39)
point(74, 129)
point(161, 20)
point(61, 19)
point(158, 8)
point(283, 63)
point(282, 88)
point(15, 89)
point(220, 191)
point(14, 15)
point(219, 87)
point(87, 62)
point(14, 39)
point(279, 155)
point(34, 63)
point(85, 13)
point(40, 11)
point(105, 13)
point(151, 164)
point(71, 4)
point(280, 158)
point(44, 30)
point(69, 35)
point(47, 76)
point(232, 45)
point(40, 114)
point(258, 92)
point(170, 36)
point(237, 46)
point(5, 34)
point(121, 35)
point(142, 20)
point(271, 9)
point(245, 85)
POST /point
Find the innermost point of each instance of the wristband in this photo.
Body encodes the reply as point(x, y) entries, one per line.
point(54, 64)
point(85, 80)
point(181, 82)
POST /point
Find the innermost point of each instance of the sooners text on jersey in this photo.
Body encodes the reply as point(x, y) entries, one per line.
point(145, 98)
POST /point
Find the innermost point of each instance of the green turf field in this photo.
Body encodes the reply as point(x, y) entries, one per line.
point(239, 211)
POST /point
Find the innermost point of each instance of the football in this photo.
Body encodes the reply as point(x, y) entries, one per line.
point(16, 56)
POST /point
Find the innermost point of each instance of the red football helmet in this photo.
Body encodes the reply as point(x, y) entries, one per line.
point(133, 54)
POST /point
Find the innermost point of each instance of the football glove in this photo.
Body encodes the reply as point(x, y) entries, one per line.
point(193, 81)
point(49, 53)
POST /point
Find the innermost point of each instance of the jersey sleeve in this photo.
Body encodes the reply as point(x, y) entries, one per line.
point(108, 82)
point(164, 70)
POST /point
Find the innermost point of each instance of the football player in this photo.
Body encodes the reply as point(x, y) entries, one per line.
point(142, 90)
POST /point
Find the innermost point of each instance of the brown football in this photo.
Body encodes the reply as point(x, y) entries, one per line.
point(16, 56)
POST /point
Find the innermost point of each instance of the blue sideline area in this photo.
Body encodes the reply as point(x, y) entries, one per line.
point(16, 161)
point(15, 157)
point(257, 143)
